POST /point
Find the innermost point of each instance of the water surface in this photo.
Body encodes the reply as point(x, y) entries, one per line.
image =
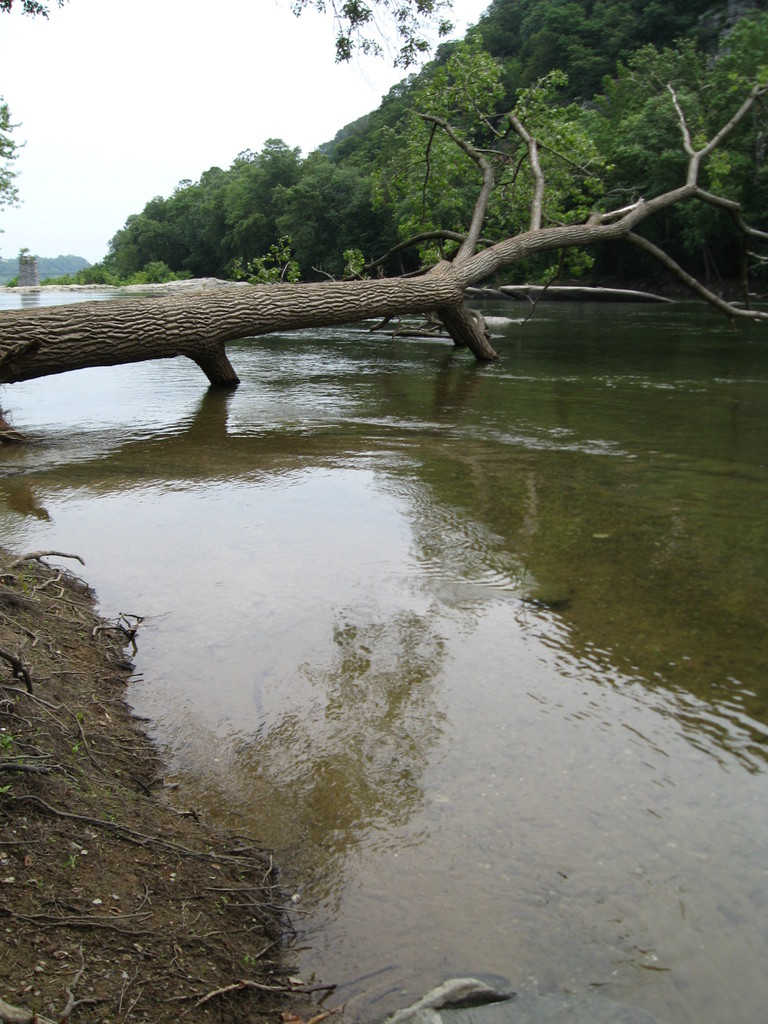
point(481, 651)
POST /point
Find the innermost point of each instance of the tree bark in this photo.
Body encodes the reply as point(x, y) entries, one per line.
point(35, 343)
point(468, 327)
point(39, 342)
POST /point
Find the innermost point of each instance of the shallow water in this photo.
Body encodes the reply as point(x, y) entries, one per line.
point(481, 651)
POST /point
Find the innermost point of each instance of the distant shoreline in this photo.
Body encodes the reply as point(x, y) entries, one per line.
point(192, 284)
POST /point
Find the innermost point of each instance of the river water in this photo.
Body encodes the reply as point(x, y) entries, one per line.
point(481, 652)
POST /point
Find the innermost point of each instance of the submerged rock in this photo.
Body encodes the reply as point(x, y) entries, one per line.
point(469, 1001)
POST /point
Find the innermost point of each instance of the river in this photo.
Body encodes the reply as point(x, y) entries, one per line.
point(480, 651)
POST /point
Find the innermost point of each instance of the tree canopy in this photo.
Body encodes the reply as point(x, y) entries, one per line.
point(398, 174)
point(396, 192)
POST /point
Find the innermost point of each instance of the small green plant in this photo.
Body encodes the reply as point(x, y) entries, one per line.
point(276, 266)
point(71, 861)
point(354, 262)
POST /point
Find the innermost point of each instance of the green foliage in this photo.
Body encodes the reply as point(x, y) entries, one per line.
point(428, 182)
point(30, 7)
point(393, 174)
point(354, 263)
point(364, 26)
point(104, 274)
point(205, 225)
point(432, 182)
point(636, 124)
point(97, 274)
point(329, 210)
point(8, 153)
point(249, 204)
point(276, 266)
point(584, 37)
point(573, 166)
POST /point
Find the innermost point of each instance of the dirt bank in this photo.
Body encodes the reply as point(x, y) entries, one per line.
point(114, 905)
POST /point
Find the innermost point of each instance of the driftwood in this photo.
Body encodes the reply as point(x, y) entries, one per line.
point(565, 293)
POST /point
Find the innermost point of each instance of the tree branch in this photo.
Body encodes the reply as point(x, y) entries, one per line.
point(538, 175)
point(469, 245)
point(695, 285)
point(426, 173)
point(734, 209)
point(696, 156)
point(423, 236)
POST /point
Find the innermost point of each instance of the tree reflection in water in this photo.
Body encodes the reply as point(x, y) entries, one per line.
point(354, 762)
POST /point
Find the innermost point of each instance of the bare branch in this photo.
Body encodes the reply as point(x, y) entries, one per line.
point(696, 156)
point(734, 209)
point(423, 236)
point(726, 307)
point(36, 556)
point(600, 217)
point(19, 669)
point(538, 175)
point(469, 245)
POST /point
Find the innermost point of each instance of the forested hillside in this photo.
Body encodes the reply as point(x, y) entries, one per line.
point(591, 79)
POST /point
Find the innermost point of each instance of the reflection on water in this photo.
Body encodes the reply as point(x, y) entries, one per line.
point(480, 650)
point(351, 762)
point(49, 297)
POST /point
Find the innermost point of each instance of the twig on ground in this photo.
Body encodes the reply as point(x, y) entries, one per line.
point(132, 836)
point(37, 556)
point(19, 670)
point(31, 769)
point(83, 921)
point(244, 983)
point(71, 1001)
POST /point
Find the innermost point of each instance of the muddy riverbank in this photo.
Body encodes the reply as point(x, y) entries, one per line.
point(115, 903)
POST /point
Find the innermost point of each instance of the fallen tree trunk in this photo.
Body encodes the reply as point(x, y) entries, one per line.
point(35, 343)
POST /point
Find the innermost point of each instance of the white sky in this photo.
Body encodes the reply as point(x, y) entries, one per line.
point(119, 100)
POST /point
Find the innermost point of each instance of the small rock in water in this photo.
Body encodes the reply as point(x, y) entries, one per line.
point(469, 1001)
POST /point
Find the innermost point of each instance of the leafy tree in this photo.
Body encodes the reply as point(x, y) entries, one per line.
point(8, 153)
point(586, 37)
point(431, 182)
point(637, 124)
point(329, 209)
point(249, 207)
